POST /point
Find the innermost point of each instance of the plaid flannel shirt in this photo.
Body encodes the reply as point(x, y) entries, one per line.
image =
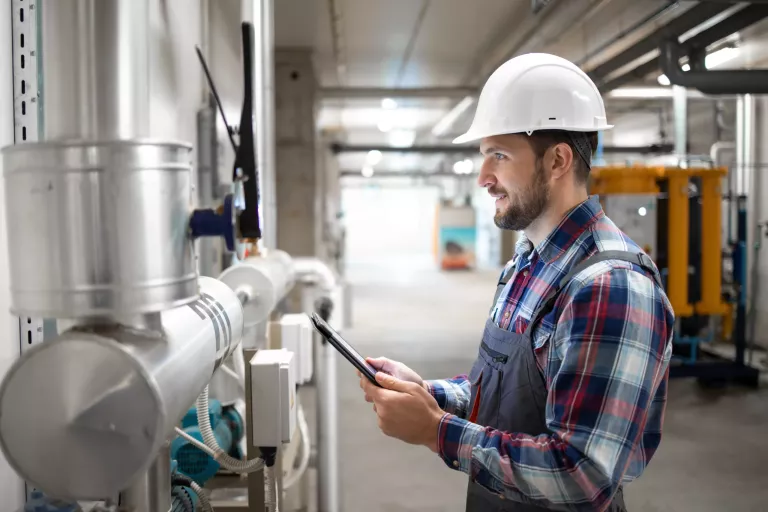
point(604, 352)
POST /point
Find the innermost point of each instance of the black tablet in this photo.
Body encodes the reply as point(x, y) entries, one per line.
point(345, 348)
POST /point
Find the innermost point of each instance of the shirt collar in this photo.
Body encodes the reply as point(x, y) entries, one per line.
point(562, 237)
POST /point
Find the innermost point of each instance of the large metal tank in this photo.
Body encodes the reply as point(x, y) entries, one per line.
point(99, 229)
point(82, 416)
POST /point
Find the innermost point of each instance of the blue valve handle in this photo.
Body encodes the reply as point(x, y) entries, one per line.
point(208, 222)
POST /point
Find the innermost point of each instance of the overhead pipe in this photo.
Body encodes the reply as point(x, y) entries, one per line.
point(739, 20)
point(738, 81)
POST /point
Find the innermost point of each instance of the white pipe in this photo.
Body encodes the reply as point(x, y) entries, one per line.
point(316, 271)
point(306, 449)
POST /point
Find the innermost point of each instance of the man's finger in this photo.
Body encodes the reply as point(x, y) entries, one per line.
point(395, 384)
point(379, 363)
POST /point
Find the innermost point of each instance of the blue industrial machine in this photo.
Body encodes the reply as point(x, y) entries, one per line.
point(227, 427)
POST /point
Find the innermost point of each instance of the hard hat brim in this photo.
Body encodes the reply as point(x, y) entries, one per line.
point(471, 136)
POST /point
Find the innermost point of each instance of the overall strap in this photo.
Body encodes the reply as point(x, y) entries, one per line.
point(638, 258)
point(501, 284)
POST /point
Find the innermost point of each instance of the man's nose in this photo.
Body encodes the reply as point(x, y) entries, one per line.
point(485, 177)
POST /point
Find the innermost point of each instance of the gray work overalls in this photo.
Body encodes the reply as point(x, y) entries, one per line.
point(511, 388)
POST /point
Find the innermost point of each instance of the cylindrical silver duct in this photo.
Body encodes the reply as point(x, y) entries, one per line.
point(98, 229)
point(84, 415)
point(95, 64)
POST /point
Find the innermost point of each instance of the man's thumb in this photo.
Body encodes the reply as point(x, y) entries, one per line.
point(389, 382)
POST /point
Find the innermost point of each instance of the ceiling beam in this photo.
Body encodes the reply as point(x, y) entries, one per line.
point(346, 93)
point(678, 26)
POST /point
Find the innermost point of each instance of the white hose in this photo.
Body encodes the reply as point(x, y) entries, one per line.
point(219, 455)
point(296, 474)
point(270, 488)
point(204, 501)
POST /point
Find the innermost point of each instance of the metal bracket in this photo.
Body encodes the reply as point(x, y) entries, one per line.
point(26, 114)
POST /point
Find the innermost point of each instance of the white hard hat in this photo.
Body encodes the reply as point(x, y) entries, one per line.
point(537, 91)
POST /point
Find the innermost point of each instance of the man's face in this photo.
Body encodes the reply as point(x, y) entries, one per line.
point(512, 175)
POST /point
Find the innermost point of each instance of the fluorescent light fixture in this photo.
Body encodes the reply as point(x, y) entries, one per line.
point(711, 61)
point(447, 121)
point(388, 104)
point(402, 138)
point(641, 92)
point(642, 211)
point(374, 157)
point(367, 171)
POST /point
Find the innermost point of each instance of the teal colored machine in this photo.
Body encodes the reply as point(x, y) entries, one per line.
point(228, 428)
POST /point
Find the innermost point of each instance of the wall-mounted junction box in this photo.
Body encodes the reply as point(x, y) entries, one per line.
point(296, 336)
point(273, 397)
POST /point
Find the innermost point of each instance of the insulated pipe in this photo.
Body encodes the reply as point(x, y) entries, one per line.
point(106, 398)
point(315, 271)
point(95, 60)
point(261, 282)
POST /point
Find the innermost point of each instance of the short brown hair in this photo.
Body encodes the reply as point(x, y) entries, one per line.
point(542, 140)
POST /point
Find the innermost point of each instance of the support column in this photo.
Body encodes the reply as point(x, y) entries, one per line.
point(298, 183)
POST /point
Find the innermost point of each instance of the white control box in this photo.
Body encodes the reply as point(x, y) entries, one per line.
point(273, 397)
point(296, 336)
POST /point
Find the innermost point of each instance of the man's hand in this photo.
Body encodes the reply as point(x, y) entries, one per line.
point(406, 410)
point(393, 368)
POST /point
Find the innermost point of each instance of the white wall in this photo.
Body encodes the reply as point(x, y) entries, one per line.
point(390, 228)
point(11, 488)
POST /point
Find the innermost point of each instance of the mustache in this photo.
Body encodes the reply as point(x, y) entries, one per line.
point(497, 191)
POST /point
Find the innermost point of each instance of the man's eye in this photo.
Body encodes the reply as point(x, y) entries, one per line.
point(498, 156)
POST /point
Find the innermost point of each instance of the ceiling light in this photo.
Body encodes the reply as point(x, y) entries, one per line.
point(641, 92)
point(374, 157)
point(367, 171)
point(385, 125)
point(663, 80)
point(402, 138)
point(464, 166)
point(642, 211)
point(447, 121)
point(388, 104)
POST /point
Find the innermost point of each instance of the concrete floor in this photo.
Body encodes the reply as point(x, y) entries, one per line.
point(712, 457)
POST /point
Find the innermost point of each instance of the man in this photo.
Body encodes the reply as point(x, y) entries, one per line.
point(565, 401)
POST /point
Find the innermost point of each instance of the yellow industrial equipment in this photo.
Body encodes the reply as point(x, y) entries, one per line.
point(675, 223)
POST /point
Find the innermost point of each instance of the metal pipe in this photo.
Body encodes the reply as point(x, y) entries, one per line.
point(264, 95)
point(680, 107)
point(95, 60)
point(207, 185)
point(735, 81)
point(152, 491)
point(715, 152)
point(107, 397)
point(315, 271)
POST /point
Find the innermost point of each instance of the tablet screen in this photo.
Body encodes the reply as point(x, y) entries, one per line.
point(342, 346)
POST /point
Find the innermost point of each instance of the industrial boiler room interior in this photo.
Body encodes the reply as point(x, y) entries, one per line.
point(549, 216)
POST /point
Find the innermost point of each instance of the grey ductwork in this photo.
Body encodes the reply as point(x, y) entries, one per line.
point(735, 81)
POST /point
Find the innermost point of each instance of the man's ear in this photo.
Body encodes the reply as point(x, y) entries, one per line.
point(562, 160)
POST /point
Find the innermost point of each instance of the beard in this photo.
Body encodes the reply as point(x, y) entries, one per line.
point(527, 205)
